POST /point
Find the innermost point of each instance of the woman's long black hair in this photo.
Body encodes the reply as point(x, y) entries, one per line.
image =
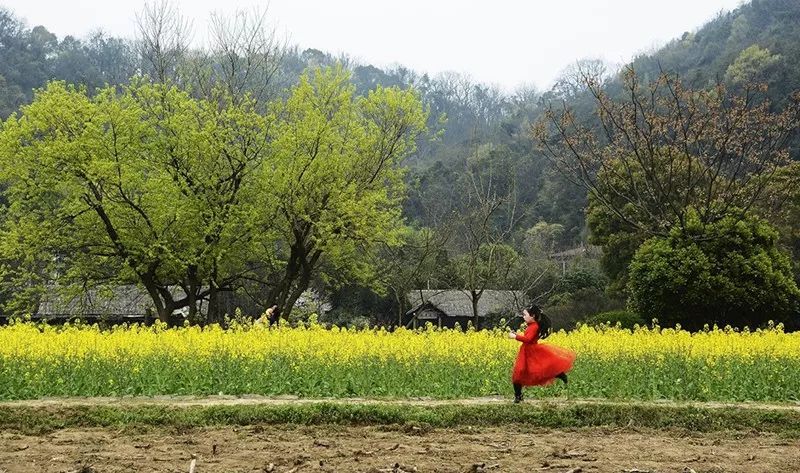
point(545, 324)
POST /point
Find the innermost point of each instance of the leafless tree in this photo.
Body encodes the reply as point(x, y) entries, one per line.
point(575, 78)
point(247, 54)
point(413, 265)
point(663, 148)
point(481, 236)
point(163, 40)
point(243, 56)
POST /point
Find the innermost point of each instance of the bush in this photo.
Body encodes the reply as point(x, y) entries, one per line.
point(581, 278)
point(344, 318)
point(624, 318)
point(730, 272)
point(567, 309)
point(578, 294)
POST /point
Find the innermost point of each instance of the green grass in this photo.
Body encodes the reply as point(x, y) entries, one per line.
point(38, 420)
point(623, 378)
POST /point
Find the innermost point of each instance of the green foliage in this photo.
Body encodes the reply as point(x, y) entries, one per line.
point(764, 28)
point(781, 207)
point(558, 201)
point(336, 179)
point(729, 272)
point(624, 217)
point(337, 164)
point(580, 278)
point(618, 239)
point(567, 309)
point(579, 293)
point(758, 40)
point(39, 421)
point(29, 57)
point(146, 185)
point(543, 238)
point(753, 64)
point(492, 266)
point(623, 318)
point(152, 186)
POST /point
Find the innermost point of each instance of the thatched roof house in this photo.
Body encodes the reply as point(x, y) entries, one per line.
point(565, 257)
point(119, 303)
point(131, 303)
point(589, 250)
point(446, 307)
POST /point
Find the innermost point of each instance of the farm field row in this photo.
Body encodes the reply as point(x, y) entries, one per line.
point(646, 364)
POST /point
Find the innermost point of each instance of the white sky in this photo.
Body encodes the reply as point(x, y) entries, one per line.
point(504, 42)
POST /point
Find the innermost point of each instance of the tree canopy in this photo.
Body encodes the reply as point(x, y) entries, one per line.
point(153, 186)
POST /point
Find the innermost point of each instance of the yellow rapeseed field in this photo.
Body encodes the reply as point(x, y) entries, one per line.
point(41, 360)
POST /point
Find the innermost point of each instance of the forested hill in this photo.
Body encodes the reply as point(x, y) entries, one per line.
point(485, 209)
point(485, 130)
point(760, 38)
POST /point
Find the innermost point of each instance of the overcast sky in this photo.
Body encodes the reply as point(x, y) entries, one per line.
point(505, 42)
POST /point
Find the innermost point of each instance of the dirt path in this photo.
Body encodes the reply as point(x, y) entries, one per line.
point(384, 449)
point(282, 449)
point(188, 401)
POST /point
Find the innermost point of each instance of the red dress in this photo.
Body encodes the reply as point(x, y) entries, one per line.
point(539, 364)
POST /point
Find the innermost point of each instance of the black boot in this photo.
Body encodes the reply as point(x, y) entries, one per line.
point(563, 377)
point(517, 393)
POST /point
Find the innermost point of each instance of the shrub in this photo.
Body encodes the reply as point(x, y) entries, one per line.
point(730, 272)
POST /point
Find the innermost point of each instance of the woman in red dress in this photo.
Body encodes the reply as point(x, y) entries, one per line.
point(538, 364)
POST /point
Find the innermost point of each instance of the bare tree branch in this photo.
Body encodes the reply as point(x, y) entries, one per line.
point(163, 39)
point(661, 148)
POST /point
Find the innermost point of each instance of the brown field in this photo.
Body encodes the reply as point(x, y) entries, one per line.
point(379, 449)
point(386, 449)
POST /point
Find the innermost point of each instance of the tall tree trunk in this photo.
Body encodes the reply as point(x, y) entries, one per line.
point(164, 315)
point(300, 286)
point(282, 291)
point(162, 310)
point(213, 314)
point(299, 269)
point(297, 278)
point(191, 290)
point(475, 297)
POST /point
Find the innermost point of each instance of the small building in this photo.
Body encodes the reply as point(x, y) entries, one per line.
point(117, 304)
point(131, 303)
point(125, 303)
point(567, 256)
point(445, 308)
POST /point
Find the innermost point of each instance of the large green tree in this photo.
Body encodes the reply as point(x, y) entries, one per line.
point(337, 180)
point(649, 158)
point(153, 186)
point(727, 272)
point(146, 186)
point(781, 207)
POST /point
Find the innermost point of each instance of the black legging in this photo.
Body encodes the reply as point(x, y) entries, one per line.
point(517, 390)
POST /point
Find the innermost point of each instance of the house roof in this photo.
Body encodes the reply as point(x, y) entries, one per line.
point(457, 303)
point(427, 311)
point(119, 301)
point(591, 250)
point(124, 302)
